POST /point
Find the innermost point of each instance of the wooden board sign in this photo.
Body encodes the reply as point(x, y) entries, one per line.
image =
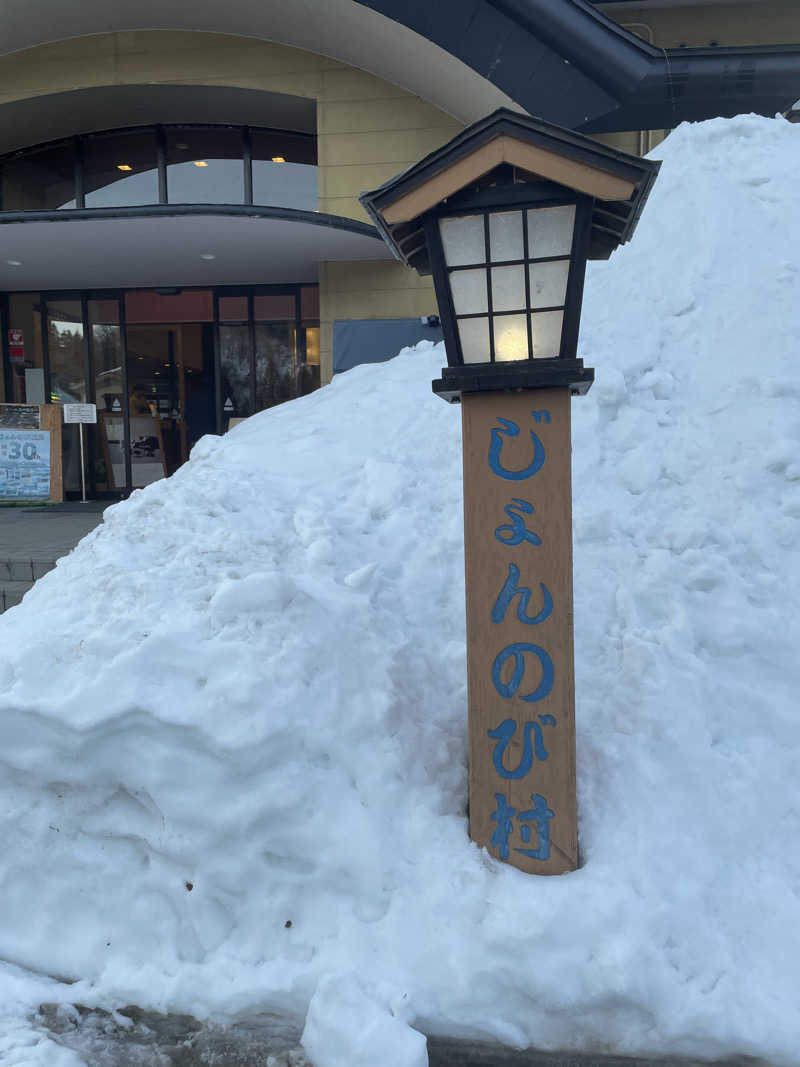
point(518, 548)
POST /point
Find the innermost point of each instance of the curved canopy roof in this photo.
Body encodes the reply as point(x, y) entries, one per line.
point(561, 60)
point(210, 244)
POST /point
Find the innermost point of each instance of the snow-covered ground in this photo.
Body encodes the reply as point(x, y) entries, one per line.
point(233, 769)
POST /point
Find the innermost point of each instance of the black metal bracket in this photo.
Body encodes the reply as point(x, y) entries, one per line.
point(511, 377)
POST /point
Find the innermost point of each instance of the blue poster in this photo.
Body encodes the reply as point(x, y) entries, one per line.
point(24, 465)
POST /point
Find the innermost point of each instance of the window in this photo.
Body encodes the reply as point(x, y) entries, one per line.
point(284, 169)
point(42, 179)
point(204, 166)
point(120, 169)
point(164, 164)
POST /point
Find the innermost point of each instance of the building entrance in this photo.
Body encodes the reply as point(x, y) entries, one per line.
point(164, 367)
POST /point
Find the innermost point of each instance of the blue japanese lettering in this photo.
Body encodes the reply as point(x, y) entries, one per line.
point(518, 651)
point(515, 533)
point(541, 815)
point(510, 590)
point(504, 817)
point(505, 827)
point(510, 429)
point(504, 733)
point(541, 416)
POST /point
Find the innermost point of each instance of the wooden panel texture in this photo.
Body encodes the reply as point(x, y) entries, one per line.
point(518, 538)
point(50, 418)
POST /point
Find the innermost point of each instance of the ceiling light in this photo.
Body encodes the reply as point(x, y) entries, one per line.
point(200, 163)
point(207, 255)
point(14, 262)
point(278, 159)
point(182, 145)
point(124, 166)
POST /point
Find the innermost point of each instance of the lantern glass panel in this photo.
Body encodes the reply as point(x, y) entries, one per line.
point(505, 236)
point(546, 334)
point(508, 288)
point(549, 283)
point(463, 240)
point(469, 291)
point(510, 338)
point(550, 231)
point(474, 336)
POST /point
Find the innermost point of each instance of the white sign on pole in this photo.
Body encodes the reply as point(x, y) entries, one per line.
point(80, 412)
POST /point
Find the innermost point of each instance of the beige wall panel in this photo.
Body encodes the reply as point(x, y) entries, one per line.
point(224, 57)
point(380, 304)
point(354, 178)
point(345, 83)
point(346, 206)
point(378, 116)
point(162, 57)
point(776, 22)
point(628, 141)
point(367, 275)
point(401, 147)
point(368, 291)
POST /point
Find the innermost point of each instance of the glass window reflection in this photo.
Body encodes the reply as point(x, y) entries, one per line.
point(204, 166)
point(43, 179)
point(120, 169)
point(284, 169)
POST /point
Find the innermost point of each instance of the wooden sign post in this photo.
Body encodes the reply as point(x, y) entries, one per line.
point(505, 216)
point(518, 549)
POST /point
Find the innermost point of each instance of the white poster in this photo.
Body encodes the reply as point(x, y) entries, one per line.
point(24, 464)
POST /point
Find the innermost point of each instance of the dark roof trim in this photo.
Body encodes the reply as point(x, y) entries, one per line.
point(147, 211)
point(570, 64)
point(613, 221)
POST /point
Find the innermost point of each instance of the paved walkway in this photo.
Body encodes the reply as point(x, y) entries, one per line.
point(32, 539)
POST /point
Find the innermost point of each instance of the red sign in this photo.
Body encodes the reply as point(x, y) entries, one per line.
point(16, 345)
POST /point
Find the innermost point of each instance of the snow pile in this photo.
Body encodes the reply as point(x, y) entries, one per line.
point(233, 775)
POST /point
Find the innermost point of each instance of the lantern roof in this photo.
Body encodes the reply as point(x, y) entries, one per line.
point(538, 152)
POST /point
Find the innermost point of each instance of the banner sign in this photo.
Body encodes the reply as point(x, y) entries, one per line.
point(24, 464)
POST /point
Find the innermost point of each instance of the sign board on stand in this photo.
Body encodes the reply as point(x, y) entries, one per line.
point(80, 413)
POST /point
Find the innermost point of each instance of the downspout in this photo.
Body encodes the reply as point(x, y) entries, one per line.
point(645, 141)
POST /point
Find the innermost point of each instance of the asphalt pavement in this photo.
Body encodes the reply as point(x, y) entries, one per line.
point(32, 539)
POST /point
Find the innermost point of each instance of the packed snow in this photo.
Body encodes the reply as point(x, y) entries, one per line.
point(233, 775)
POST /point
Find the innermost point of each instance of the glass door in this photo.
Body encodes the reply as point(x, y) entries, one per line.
point(236, 367)
point(277, 367)
point(67, 357)
point(107, 450)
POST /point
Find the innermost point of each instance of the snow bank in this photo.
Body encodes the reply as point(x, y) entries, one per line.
point(233, 773)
